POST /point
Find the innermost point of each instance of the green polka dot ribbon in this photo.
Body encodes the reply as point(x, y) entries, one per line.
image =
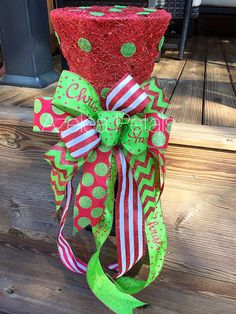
point(127, 141)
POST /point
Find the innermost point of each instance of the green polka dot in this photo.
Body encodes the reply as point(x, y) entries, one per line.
point(46, 119)
point(84, 7)
point(57, 110)
point(68, 118)
point(103, 148)
point(37, 106)
point(36, 129)
point(158, 139)
point(152, 123)
point(55, 130)
point(76, 211)
point(96, 212)
point(78, 189)
point(83, 222)
point(161, 43)
point(99, 192)
point(143, 13)
point(115, 10)
point(149, 10)
point(58, 39)
point(87, 179)
point(128, 49)
point(85, 201)
point(97, 13)
point(92, 157)
point(105, 91)
point(84, 44)
point(120, 6)
point(101, 169)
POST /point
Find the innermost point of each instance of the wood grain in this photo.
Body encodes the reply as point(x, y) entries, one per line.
point(22, 96)
point(229, 48)
point(38, 283)
point(220, 138)
point(168, 71)
point(220, 102)
point(186, 101)
point(198, 203)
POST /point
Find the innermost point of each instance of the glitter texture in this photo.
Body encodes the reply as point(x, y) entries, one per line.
point(107, 32)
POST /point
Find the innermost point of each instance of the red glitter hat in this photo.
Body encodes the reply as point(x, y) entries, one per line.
point(102, 44)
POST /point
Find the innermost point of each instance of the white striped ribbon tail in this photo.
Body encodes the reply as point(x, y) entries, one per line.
point(127, 96)
point(80, 137)
point(113, 266)
point(67, 257)
point(129, 218)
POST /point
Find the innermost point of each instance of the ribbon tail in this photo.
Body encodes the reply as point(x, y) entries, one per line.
point(147, 178)
point(92, 189)
point(64, 167)
point(63, 170)
point(157, 245)
point(100, 284)
point(66, 254)
point(129, 218)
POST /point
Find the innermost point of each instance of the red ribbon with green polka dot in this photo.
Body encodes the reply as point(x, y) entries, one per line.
point(134, 123)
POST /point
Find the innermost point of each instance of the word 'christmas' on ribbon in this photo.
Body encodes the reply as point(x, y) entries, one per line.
point(123, 142)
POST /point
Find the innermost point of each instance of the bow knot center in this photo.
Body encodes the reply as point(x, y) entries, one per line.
point(109, 125)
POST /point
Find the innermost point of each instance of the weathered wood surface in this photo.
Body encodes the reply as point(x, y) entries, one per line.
point(187, 99)
point(229, 51)
point(198, 202)
point(220, 138)
point(169, 69)
point(201, 87)
point(220, 101)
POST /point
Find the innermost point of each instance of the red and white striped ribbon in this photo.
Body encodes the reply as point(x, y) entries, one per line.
point(80, 136)
point(129, 218)
point(65, 252)
point(127, 96)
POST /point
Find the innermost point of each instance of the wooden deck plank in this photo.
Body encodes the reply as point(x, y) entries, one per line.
point(198, 204)
point(186, 102)
point(219, 138)
point(198, 200)
point(220, 102)
point(229, 48)
point(12, 96)
point(168, 71)
point(40, 284)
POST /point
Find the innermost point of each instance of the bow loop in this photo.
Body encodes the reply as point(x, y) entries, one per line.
point(79, 135)
point(160, 126)
point(135, 134)
point(127, 96)
point(76, 96)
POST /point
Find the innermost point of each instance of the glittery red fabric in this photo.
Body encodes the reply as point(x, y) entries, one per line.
point(103, 63)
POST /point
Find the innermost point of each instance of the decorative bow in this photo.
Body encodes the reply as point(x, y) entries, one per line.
point(126, 141)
